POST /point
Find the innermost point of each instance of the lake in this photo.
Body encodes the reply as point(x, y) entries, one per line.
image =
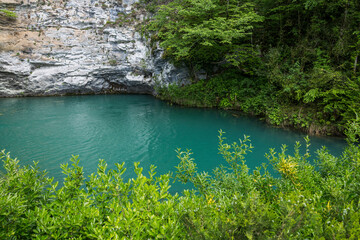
point(132, 128)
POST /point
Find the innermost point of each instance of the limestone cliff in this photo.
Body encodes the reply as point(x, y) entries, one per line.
point(77, 47)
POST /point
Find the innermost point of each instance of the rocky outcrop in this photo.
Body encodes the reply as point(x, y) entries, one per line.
point(78, 47)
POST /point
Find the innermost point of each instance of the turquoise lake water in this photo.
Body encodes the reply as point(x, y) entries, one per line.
point(132, 128)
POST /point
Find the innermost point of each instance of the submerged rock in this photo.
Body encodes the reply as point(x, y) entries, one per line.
point(77, 47)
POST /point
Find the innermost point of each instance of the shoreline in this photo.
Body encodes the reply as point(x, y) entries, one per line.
point(313, 129)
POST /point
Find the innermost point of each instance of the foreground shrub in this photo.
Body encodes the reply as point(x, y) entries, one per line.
point(303, 200)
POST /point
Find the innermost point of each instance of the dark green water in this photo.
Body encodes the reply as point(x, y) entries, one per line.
point(129, 128)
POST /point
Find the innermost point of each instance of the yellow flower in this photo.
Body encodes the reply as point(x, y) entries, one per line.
point(288, 167)
point(210, 199)
point(328, 206)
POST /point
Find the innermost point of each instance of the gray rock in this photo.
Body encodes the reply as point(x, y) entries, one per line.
point(70, 48)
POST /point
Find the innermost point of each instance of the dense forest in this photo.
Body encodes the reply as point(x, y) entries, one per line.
point(293, 63)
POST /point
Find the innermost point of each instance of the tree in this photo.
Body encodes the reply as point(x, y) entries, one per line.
point(205, 32)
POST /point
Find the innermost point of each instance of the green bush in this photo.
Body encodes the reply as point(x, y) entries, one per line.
point(301, 201)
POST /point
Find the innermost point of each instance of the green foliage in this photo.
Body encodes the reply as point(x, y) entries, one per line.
point(229, 90)
point(102, 207)
point(353, 131)
point(206, 32)
point(233, 91)
point(302, 203)
point(151, 6)
point(23, 189)
point(302, 56)
point(313, 201)
point(8, 14)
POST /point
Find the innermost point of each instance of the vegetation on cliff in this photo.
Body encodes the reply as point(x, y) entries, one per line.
point(302, 201)
point(7, 16)
point(293, 62)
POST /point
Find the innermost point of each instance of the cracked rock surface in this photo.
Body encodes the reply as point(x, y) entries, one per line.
point(73, 47)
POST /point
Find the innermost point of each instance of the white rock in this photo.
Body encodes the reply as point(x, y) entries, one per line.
point(69, 49)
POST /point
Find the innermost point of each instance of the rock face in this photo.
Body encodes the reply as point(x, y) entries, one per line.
point(58, 47)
